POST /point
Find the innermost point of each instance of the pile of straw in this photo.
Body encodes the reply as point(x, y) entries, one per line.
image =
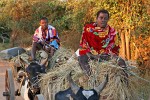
point(119, 86)
point(64, 61)
point(61, 56)
point(60, 65)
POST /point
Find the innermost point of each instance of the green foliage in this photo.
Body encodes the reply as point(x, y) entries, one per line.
point(70, 16)
point(4, 46)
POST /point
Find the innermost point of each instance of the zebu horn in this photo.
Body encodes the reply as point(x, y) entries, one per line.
point(73, 86)
point(44, 61)
point(102, 85)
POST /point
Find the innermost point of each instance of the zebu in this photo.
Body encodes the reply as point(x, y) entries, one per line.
point(78, 93)
point(28, 83)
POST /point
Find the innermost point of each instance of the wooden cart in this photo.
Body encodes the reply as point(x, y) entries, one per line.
point(10, 80)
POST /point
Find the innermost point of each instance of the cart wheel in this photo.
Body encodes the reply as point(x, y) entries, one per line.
point(14, 70)
point(9, 85)
point(39, 97)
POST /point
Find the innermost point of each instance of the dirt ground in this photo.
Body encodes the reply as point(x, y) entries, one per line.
point(3, 66)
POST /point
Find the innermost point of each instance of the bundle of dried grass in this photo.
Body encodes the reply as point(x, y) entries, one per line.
point(24, 57)
point(121, 86)
point(60, 65)
point(60, 57)
point(19, 63)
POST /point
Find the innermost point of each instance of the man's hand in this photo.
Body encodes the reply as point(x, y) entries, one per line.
point(105, 57)
point(35, 39)
point(51, 40)
point(90, 55)
point(42, 42)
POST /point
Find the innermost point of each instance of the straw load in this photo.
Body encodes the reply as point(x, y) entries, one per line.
point(122, 84)
point(119, 86)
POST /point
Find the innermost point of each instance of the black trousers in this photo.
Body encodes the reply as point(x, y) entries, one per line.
point(84, 59)
point(83, 62)
point(37, 46)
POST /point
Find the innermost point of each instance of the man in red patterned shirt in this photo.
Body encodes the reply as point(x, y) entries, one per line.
point(98, 41)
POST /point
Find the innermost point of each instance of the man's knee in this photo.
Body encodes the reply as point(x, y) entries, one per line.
point(83, 59)
point(34, 43)
point(104, 57)
point(83, 62)
point(121, 62)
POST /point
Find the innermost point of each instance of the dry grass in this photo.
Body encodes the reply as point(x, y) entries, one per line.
point(117, 88)
point(70, 39)
point(20, 38)
point(64, 61)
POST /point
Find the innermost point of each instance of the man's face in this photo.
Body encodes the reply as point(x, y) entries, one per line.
point(44, 24)
point(102, 20)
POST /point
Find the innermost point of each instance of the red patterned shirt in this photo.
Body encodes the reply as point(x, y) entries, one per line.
point(98, 41)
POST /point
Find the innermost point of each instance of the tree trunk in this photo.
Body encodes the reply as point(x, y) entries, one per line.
point(127, 43)
point(123, 51)
point(136, 54)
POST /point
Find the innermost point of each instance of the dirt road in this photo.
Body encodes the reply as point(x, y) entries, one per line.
point(3, 66)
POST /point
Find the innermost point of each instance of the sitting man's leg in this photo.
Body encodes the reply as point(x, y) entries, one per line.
point(122, 64)
point(104, 57)
point(83, 62)
point(35, 46)
point(51, 50)
point(119, 60)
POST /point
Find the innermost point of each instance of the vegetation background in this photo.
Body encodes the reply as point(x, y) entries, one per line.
point(131, 18)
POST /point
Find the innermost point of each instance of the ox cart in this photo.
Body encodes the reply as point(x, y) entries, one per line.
point(55, 82)
point(11, 92)
point(25, 77)
point(25, 86)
